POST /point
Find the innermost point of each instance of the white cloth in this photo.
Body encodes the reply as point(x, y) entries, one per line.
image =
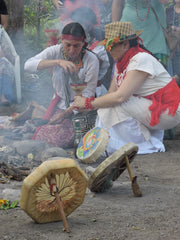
point(158, 76)
point(129, 121)
point(130, 131)
point(88, 73)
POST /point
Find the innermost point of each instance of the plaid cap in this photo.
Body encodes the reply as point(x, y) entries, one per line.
point(124, 30)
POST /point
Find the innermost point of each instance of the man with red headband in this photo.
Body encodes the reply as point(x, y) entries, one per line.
point(70, 62)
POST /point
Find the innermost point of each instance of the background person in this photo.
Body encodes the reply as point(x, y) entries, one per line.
point(173, 21)
point(68, 6)
point(3, 14)
point(7, 70)
point(87, 18)
point(143, 99)
point(105, 7)
point(6, 80)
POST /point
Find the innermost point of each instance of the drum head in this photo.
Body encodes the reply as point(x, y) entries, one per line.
point(92, 145)
point(111, 168)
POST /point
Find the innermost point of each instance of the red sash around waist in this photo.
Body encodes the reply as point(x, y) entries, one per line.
point(165, 98)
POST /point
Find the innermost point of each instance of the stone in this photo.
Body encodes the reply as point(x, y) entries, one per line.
point(11, 194)
point(29, 146)
point(53, 152)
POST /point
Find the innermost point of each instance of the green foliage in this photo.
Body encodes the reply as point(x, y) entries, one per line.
point(38, 15)
point(7, 205)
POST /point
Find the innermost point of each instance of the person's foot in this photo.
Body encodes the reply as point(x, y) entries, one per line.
point(4, 102)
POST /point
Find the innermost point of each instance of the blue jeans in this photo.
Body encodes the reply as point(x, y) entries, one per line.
point(6, 87)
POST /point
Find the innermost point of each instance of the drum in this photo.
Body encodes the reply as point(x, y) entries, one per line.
point(92, 145)
point(111, 168)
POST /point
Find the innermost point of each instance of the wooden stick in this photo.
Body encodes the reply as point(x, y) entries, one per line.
point(134, 184)
point(61, 210)
point(59, 204)
point(128, 167)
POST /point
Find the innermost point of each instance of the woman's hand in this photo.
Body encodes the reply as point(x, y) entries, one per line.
point(59, 117)
point(79, 103)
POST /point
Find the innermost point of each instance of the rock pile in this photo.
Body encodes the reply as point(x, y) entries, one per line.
point(25, 155)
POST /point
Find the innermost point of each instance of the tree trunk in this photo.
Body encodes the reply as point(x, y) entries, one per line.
point(16, 23)
point(16, 27)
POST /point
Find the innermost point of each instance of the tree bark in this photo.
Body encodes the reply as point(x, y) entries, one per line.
point(16, 23)
point(16, 27)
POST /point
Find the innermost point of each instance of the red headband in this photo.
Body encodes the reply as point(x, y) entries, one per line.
point(72, 37)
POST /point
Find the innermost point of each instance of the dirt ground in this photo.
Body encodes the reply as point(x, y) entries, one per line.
point(115, 214)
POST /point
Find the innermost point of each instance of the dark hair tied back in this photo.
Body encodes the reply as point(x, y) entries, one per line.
point(74, 29)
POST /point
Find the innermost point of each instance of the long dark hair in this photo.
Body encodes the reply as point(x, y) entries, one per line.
point(74, 29)
point(134, 42)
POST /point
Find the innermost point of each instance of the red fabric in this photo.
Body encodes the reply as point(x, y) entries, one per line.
point(51, 107)
point(123, 63)
point(165, 98)
point(56, 135)
point(53, 41)
point(93, 45)
point(49, 112)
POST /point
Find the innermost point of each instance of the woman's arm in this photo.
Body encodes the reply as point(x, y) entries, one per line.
point(113, 86)
point(117, 9)
point(132, 82)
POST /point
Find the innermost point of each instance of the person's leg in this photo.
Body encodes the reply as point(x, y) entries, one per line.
point(131, 131)
point(6, 89)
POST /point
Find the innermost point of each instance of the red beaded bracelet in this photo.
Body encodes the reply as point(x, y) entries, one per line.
point(88, 104)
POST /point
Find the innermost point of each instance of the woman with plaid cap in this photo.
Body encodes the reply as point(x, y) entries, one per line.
point(141, 14)
point(142, 100)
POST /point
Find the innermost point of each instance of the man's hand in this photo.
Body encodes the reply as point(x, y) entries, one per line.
point(79, 103)
point(59, 117)
point(68, 66)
